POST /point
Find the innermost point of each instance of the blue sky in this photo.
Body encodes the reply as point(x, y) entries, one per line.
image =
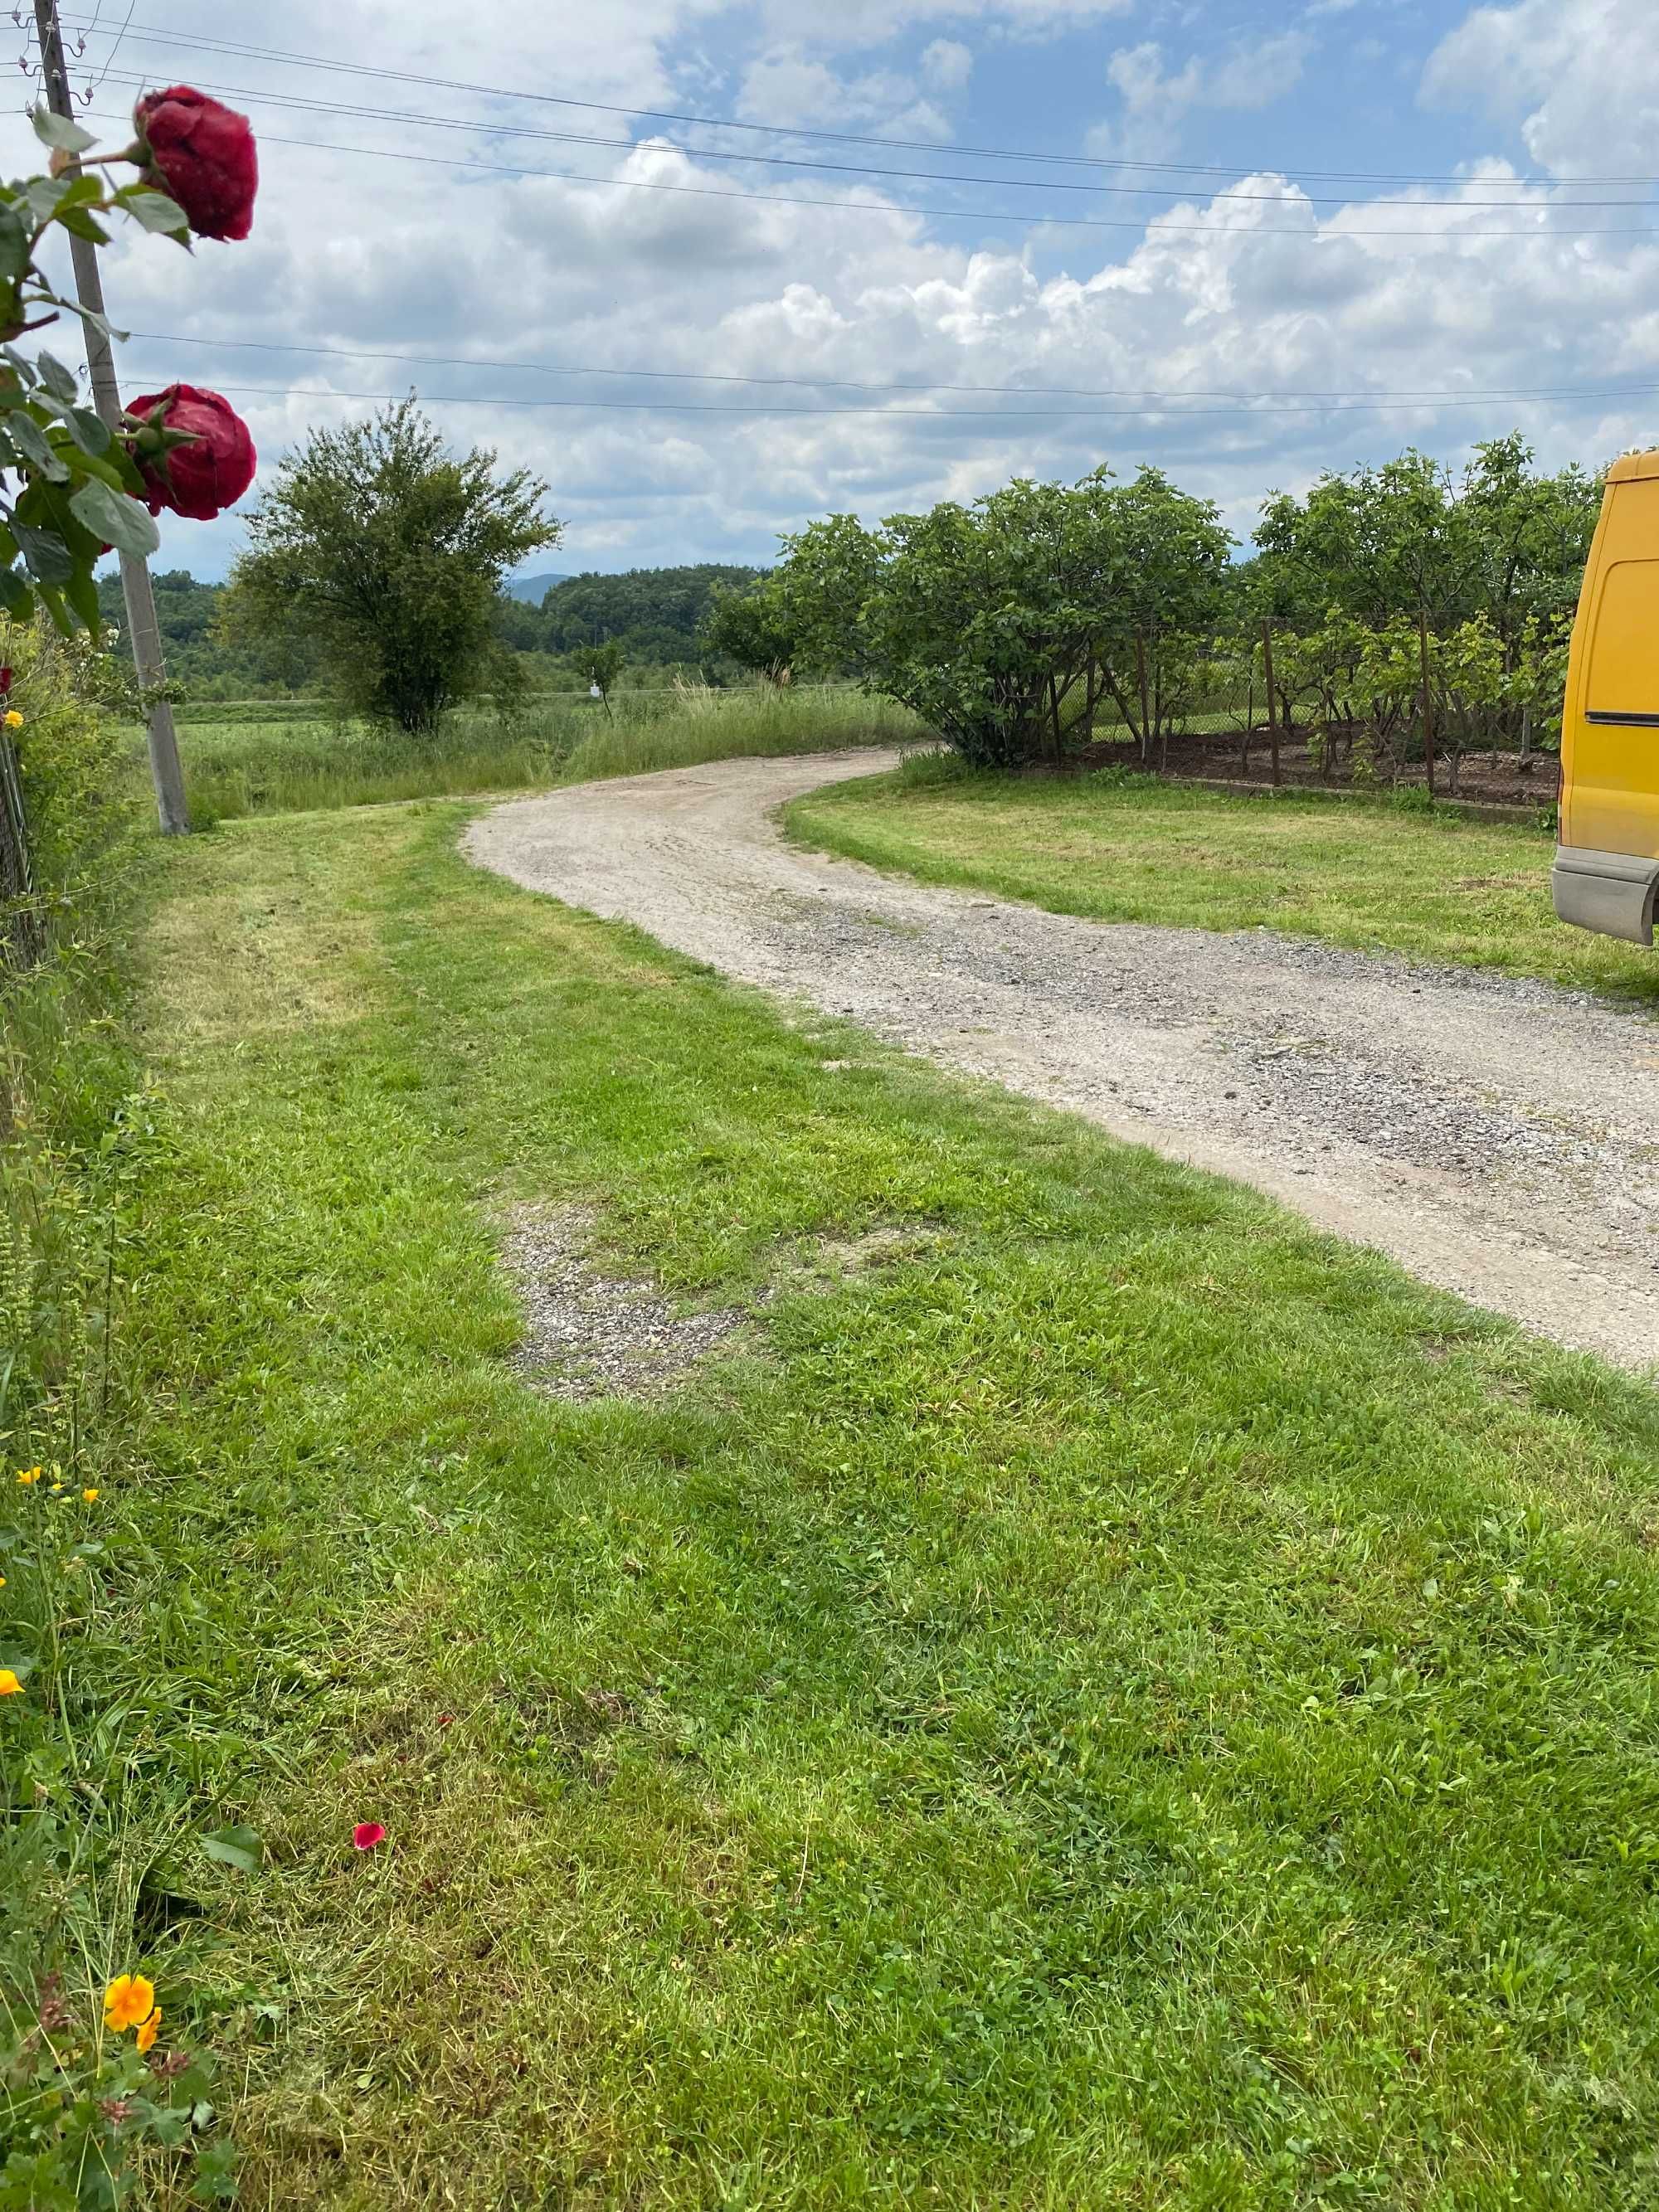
point(1243, 268)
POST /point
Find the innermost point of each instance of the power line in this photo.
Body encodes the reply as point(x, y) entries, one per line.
point(931, 415)
point(243, 49)
point(1147, 228)
point(1463, 396)
point(796, 162)
point(109, 59)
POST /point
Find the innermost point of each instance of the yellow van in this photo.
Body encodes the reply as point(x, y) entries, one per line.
point(1607, 865)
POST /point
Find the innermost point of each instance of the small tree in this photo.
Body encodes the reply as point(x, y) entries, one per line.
point(1537, 683)
point(602, 664)
point(1467, 671)
point(754, 629)
point(389, 550)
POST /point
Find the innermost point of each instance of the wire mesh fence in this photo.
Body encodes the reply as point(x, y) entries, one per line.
point(1456, 711)
point(20, 934)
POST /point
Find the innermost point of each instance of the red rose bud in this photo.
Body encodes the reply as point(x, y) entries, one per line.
point(194, 451)
point(201, 154)
point(5, 682)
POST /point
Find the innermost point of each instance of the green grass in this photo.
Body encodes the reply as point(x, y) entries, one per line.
point(1126, 1704)
point(1438, 886)
point(297, 758)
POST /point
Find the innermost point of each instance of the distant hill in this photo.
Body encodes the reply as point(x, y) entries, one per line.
point(196, 658)
point(533, 590)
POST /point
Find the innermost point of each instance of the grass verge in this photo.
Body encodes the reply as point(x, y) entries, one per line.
point(296, 761)
point(1128, 1704)
point(1434, 886)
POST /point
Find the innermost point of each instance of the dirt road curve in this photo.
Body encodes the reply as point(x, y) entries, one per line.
point(1500, 1139)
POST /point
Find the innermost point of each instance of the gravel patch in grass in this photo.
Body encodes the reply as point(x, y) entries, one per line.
point(588, 1335)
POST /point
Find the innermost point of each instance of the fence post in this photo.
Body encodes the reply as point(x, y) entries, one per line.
point(1273, 709)
point(1428, 702)
point(22, 926)
point(1145, 712)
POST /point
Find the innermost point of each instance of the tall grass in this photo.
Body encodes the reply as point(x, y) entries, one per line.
point(284, 765)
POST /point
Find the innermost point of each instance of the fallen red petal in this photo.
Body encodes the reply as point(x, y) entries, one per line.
point(367, 1834)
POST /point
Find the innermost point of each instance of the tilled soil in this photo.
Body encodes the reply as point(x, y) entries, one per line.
point(1499, 1138)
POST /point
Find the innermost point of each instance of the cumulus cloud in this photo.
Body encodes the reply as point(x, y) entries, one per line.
point(787, 89)
point(947, 65)
point(1155, 100)
point(1578, 78)
point(668, 268)
point(868, 23)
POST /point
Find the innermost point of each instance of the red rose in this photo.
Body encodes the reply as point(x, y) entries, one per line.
point(210, 467)
point(201, 154)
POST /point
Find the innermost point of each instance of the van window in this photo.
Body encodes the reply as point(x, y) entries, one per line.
point(1624, 662)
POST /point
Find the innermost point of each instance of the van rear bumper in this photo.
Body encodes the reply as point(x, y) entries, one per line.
point(1610, 892)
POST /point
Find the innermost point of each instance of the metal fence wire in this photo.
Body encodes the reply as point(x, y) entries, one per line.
point(21, 928)
point(1342, 707)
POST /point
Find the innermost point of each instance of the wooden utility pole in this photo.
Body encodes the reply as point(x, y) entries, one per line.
point(143, 632)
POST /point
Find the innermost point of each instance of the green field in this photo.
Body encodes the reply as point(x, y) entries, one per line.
point(1104, 1699)
point(1435, 884)
point(293, 756)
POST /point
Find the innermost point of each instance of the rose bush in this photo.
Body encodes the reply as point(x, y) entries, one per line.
point(73, 485)
point(193, 452)
point(202, 154)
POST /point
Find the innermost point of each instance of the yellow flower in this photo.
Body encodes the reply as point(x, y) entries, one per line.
point(128, 2000)
point(28, 1475)
point(149, 2029)
point(13, 720)
point(3, 1582)
point(88, 1497)
point(9, 1685)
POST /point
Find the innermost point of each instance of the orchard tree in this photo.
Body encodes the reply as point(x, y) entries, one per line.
point(999, 623)
point(1173, 560)
point(1374, 542)
point(390, 552)
point(1501, 540)
point(1527, 537)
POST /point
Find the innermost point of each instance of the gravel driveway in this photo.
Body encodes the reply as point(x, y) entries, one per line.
point(1499, 1138)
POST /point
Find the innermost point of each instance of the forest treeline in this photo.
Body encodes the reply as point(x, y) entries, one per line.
point(1499, 541)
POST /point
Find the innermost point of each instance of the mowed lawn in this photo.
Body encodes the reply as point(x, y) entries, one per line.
point(1110, 1700)
point(1440, 886)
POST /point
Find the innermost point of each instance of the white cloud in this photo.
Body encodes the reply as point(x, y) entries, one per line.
point(358, 253)
point(791, 90)
point(1578, 78)
point(1156, 101)
point(867, 23)
point(946, 65)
